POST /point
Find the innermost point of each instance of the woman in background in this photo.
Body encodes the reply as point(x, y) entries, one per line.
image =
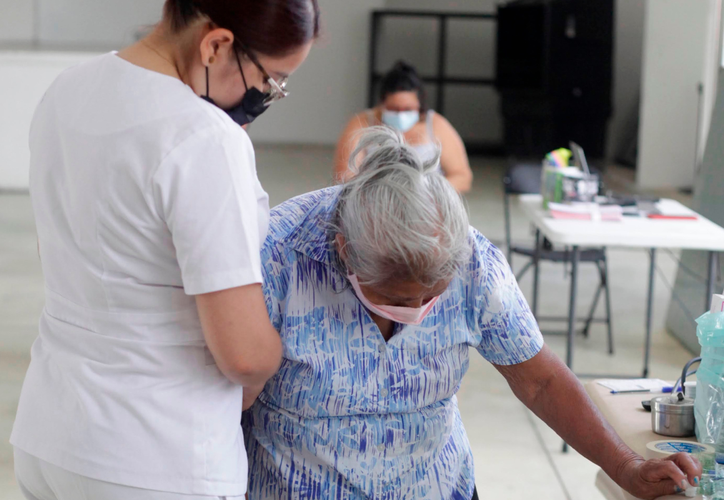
point(403, 106)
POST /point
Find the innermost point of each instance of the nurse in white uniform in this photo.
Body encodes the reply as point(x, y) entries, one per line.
point(150, 218)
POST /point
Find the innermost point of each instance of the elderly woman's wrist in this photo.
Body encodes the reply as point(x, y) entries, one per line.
point(627, 464)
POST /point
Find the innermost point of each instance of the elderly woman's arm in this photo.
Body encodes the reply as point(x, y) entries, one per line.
point(510, 335)
point(546, 386)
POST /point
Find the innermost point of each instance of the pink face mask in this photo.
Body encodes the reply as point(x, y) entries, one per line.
point(406, 315)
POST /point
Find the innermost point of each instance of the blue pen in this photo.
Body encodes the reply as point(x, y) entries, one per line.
point(626, 391)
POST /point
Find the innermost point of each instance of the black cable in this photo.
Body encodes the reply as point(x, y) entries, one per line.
point(692, 372)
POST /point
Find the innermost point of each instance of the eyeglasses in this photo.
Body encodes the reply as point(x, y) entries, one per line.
point(277, 90)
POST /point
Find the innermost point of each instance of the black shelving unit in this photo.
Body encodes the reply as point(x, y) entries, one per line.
point(554, 71)
point(440, 79)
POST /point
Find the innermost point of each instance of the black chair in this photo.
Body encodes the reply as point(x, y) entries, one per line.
point(525, 178)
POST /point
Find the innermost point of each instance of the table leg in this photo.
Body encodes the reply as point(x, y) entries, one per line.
point(711, 280)
point(575, 254)
point(649, 312)
point(536, 273)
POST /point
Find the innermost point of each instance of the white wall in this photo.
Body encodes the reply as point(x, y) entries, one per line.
point(76, 22)
point(712, 65)
point(94, 22)
point(24, 78)
point(673, 67)
point(627, 57)
point(17, 18)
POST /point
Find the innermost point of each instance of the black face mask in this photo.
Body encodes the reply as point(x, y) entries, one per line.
point(252, 104)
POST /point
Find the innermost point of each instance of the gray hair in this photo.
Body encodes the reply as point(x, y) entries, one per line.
point(400, 218)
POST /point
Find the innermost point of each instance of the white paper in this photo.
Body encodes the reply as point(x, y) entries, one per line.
point(635, 384)
point(584, 208)
point(671, 208)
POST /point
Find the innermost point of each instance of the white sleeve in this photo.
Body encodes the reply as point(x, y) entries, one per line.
point(205, 191)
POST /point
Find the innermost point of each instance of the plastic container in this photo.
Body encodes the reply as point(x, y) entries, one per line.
point(709, 402)
point(562, 184)
point(672, 416)
point(690, 386)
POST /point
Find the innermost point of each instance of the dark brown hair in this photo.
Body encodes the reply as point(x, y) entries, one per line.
point(403, 78)
point(268, 27)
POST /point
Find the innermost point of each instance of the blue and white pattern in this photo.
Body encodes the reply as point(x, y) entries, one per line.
point(350, 416)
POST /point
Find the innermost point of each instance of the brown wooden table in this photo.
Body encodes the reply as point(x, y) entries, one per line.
point(628, 418)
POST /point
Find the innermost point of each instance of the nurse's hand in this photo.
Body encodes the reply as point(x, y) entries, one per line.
point(242, 340)
point(250, 395)
point(659, 477)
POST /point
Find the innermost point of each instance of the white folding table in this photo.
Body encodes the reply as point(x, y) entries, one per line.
point(631, 232)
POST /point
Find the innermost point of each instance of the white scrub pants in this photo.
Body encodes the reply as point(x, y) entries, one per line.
point(39, 480)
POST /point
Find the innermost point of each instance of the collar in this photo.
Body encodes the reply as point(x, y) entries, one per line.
point(307, 223)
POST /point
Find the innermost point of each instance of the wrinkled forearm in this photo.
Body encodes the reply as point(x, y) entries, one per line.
point(559, 399)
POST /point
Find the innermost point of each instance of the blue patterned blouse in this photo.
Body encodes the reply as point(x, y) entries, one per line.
point(350, 416)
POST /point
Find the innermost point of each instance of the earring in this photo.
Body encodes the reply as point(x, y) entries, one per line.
point(212, 59)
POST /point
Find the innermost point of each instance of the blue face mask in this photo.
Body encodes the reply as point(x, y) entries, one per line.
point(401, 120)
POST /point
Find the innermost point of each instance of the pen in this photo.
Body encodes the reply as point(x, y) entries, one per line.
point(626, 391)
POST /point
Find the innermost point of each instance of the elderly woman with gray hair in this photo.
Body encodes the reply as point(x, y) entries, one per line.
point(378, 289)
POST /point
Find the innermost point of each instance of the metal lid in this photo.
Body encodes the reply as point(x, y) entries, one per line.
point(672, 404)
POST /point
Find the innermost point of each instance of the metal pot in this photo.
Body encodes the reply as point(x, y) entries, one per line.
point(672, 416)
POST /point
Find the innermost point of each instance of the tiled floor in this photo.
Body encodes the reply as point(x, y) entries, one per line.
point(517, 456)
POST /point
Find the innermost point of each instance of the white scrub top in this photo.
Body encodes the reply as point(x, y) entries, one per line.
point(144, 196)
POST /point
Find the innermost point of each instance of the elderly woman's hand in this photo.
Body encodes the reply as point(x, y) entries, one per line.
point(658, 477)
